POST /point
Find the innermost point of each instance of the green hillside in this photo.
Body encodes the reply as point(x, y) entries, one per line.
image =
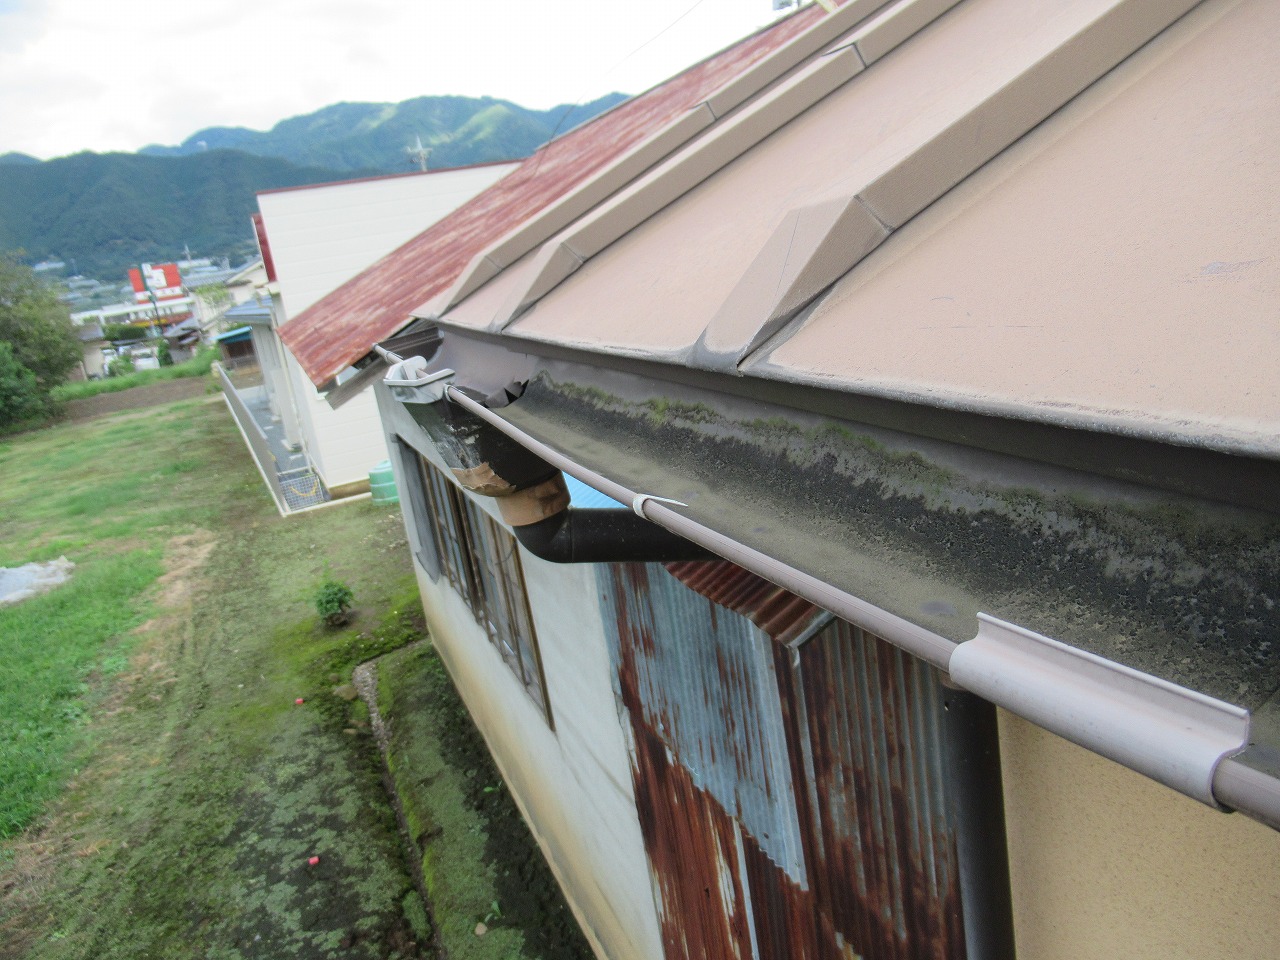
point(353, 136)
point(108, 211)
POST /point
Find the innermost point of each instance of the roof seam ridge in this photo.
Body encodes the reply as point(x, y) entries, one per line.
point(719, 103)
point(659, 188)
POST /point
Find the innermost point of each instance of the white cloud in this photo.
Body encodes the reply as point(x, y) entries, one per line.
point(119, 74)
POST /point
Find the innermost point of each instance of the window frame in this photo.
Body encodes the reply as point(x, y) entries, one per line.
point(481, 561)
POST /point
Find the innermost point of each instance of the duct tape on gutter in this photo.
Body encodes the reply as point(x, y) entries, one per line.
point(1176, 736)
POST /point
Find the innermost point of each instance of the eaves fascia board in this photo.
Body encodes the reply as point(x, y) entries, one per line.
point(408, 342)
point(1098, 442)
point(650, 152)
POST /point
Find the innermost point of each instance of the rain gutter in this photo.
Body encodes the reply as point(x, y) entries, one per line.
point(530, 491)
point(1174, 735)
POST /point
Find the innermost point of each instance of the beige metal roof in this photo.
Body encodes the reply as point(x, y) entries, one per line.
point(1121, 265)
point(1116, 267)
point(565, 178)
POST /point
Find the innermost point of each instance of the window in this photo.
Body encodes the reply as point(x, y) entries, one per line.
point(482, 563)
point(422, 538)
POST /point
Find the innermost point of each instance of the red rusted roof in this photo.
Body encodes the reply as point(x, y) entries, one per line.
point(339, 329)
point(781, 614)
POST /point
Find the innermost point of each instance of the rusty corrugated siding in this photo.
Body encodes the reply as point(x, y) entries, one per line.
point(342, 327)
point(706, 687)
point(780, 614)
point(883, 843)
point(856, 723)
point(692, 846)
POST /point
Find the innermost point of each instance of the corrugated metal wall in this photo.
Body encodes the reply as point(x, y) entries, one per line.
point(788, 771)
point(872, 738)
point(706, 688)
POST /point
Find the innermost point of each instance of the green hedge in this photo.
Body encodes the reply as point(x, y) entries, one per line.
point(197, 366)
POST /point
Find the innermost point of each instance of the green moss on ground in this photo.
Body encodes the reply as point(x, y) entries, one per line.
point(460, 815)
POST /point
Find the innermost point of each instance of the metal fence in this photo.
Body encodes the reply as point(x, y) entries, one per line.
point(257, 440)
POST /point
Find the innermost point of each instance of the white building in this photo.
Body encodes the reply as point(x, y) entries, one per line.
point(313, 240)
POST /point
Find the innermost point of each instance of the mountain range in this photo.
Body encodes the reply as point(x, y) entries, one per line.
point(374, 136)
point(108, 211)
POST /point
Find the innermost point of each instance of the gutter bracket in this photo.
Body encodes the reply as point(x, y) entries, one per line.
point(410, 382)
point(637, 504)
point(1172, 734)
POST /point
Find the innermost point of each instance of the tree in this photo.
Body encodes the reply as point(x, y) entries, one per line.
point(20, 396)
point(36, 326)
point(123, 331)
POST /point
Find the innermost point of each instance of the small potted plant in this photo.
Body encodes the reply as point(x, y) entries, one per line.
point(333, 602)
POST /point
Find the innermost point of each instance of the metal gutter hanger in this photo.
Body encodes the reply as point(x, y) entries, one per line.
point(1169, 733)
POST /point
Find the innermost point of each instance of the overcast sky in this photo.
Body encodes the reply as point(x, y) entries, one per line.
point(119, 74)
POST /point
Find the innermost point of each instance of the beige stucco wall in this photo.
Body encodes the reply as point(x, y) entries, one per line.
point(1106, 864)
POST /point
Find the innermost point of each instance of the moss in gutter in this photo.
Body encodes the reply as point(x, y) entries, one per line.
point(1183, 589)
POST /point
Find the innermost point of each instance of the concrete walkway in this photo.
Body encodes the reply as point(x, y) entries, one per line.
point(293, 481)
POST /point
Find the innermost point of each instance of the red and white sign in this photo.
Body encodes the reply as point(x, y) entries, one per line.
point(160, 281)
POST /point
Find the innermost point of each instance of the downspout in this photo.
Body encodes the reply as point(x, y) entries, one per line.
point(531, 493)
point(1176, 736)
point(563, 534)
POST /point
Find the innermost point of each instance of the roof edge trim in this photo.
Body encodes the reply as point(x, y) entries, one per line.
point(1237, 439)
point(374, 177)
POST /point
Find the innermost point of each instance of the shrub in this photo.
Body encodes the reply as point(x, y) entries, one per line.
point(20, 395)
point(120, 366)
point(123, 331)
point(333, 601)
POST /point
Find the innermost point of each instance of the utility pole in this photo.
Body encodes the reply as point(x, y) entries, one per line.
point(418, 154)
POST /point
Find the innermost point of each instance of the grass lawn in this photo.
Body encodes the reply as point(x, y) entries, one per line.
point(160, 791)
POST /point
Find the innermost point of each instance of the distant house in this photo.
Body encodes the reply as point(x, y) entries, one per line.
point(313, 239)
point(214, 291)
point(92, 364)
point(144, 315)
point(927, 352)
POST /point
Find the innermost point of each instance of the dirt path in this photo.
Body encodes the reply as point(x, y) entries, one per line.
point(151, 395)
